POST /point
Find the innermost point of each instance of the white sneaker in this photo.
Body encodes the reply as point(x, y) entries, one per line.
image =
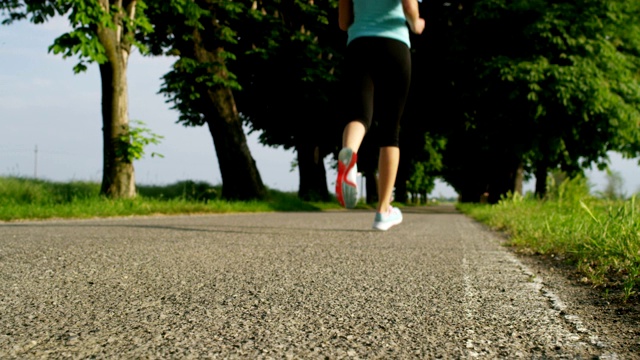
point(346, 184)
point(385, 221)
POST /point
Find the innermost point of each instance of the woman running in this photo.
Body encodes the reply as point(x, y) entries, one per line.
point(377, 60)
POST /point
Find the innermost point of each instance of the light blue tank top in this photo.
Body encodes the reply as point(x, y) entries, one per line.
point(384, 18)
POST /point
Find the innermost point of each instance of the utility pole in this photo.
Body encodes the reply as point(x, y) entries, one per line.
point(35, 165)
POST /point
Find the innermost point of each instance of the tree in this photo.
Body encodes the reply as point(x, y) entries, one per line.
point(289, 78)
point(203, 34)
point(423, 170)
point(103, 33)
point(531, 86)
point(582, 84)
point(277, 60)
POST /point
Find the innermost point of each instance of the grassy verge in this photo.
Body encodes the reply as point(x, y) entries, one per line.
point(22, 198)
point(601, 238)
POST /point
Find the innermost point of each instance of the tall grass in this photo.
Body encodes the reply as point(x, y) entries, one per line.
point(601, 238)
point(23, 198)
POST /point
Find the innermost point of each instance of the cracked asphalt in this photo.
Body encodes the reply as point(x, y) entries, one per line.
point(279, 285)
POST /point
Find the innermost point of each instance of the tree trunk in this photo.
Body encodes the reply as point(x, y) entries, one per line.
point(518, 179)
point(118, 177)
point(473, 192)
point(312, 173)
point(541, 180)
point(371, 184)
point(400, 193)
point(505, 175)
point(240, 176)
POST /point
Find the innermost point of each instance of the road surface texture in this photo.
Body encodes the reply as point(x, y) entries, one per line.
point(290, 286)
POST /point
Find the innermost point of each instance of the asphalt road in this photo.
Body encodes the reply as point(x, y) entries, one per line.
point(278, 285)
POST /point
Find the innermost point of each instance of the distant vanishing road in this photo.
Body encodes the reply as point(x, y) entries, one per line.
point(278, 285)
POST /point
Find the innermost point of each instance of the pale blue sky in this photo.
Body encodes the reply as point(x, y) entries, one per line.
point(44, 105)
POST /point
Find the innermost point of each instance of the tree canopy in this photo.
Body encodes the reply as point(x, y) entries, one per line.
point(102, 32)
point(532, 86)
point(502, 90)
point(203, 36)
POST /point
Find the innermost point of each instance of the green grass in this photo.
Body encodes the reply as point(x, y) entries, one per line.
point(600, 238)
point(22, 198)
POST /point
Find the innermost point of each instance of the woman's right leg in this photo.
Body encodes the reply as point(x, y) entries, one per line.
point(353, 135)
point(358, 111)
point(347, 190)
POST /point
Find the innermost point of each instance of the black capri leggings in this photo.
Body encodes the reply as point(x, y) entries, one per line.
point(382, 64)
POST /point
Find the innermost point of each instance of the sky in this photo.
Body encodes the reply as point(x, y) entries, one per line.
point(50, 123)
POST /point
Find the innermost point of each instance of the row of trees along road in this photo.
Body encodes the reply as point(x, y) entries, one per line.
point(502, 91)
